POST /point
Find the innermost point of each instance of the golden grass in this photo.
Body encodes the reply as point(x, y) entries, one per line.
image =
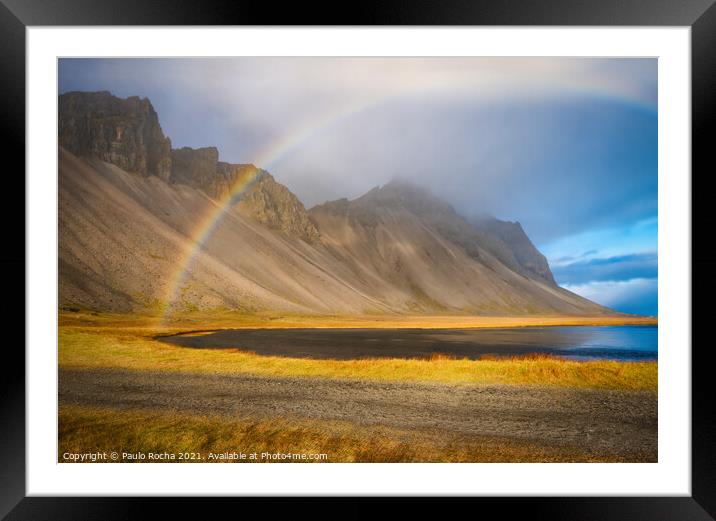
point(89, 342)
point(85, 430)
point(233, 320)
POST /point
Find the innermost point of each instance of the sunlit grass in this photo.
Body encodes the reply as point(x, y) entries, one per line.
point(233, 319)
point(83, 430)
point(92, 342)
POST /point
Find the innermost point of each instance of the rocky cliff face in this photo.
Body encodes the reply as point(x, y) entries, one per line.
point(124, 132)
point(424, 257)
point(515, 248)
point(275, 206)
point(504, 240)
point(435, 212)
point(265, 200)
point(194, 166)
point(226, 176)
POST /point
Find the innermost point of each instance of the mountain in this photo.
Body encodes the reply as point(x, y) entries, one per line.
point(401, 236)
point(124, 132)
point(131, 210)
point(267, 202)
point(512, 246)
point(124, 238)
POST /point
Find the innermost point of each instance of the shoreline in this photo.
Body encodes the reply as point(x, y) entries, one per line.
point(199, 332)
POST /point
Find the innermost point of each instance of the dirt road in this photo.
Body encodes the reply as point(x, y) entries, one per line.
point(600, 422)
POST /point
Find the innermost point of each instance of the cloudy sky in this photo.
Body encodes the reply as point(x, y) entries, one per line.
point(567, 147)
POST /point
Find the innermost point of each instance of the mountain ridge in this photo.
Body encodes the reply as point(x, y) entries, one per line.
point(129, 204)
point(504, 239)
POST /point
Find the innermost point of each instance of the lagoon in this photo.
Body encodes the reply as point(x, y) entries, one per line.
point(624, 343)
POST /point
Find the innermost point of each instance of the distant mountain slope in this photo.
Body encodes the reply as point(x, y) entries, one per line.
point(130, 207)
point(512, 246)
point(123, 237)
point(401, 236)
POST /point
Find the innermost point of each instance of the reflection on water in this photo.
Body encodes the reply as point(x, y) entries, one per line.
point(575, 342)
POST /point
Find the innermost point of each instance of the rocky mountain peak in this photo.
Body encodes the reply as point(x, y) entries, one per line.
point(402, 193)
point(505, 240)
point(265, 200)
point(194, 166)
point(275, 206)
point(514, 246)
point(124, 132)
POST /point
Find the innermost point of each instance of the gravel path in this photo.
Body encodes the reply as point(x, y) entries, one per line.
point(600, 422)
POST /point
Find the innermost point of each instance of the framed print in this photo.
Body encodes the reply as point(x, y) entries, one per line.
point(443, 251)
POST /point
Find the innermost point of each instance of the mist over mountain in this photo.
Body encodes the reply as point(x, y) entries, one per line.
point(130, 209)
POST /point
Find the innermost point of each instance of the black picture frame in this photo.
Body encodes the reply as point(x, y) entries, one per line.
point(17, 15)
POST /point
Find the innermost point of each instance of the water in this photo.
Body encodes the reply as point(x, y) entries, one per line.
point(626, 343)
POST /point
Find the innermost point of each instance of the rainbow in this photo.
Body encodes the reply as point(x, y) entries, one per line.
point(283, 147)
point(243, 182)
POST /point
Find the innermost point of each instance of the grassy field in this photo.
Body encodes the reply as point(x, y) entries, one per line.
point(85, 430)
point(92, 342)
point(232, 319)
